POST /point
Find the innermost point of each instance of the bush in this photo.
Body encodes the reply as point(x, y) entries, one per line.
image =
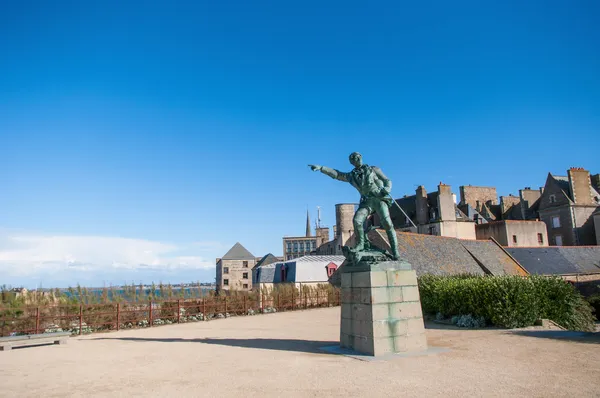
point(506, 301)
point(594, 301)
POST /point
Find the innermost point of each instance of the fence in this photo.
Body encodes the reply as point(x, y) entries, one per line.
point(89, 318)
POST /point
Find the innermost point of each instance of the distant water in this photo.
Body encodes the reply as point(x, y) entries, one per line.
point(188, 292)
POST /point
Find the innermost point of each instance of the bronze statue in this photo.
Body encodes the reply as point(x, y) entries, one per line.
point(374, 188)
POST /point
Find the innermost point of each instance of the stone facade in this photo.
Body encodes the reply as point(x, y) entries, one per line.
point(381, 312)
point(514, 233)
point(343, 232)
point(299, 246)
point(567, 206)
point(434, 213)
point(472, 195)
point(234, 269)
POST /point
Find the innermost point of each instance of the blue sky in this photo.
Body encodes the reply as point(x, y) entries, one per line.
point(139, 141)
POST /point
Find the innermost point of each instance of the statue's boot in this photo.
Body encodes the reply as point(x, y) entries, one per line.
point(360, 241)
point(393, 243)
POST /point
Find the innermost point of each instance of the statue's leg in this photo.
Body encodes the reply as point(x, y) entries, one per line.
point(359, 219)
point(386, 222)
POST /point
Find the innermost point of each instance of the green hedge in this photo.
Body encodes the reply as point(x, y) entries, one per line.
point(506, 301)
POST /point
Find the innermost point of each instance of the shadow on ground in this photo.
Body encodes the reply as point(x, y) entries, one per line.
point(264, 344)
point(581, 337)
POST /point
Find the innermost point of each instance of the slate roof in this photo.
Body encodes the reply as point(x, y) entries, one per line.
point(440, 255)
point(267, 259)
point(563, 183)
point(556, 260)
point(238, 252)
point(266, 273)
point(303, 269)
point(312, 268)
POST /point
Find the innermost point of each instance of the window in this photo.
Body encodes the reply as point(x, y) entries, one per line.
point(431, 230)
point(301, 246)
point(245, 286)
point(226, 282)
point(541, 239)
point(515, 239)
point(225, 270)
point(245, 264)
point(432, 215)
point(555, 222)
point(295, 246)
point(552, 198)
point(245, 275)
point(283, 274)
point(558, 240)
point(289, 247)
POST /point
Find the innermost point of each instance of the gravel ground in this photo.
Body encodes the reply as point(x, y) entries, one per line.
point(277, 355)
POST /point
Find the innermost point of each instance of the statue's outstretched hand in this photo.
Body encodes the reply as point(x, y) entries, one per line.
point(315, 167)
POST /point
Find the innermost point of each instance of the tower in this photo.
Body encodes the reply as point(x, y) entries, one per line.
point(308, 232)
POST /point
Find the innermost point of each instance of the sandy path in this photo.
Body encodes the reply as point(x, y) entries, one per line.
point(277, 355)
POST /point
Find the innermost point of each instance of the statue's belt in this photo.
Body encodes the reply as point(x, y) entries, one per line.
point(385, 199)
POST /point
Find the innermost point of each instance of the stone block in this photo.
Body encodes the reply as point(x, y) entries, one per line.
point(382, 346)
point(410, 293)
point(385, 295)
point(379, 312)
point(363, 344)
point(346, 279)
point(406, 310)
point(389, 328)
point(378, 279)
point(350, 295)
point(347, 311)
point(347, 326)
point(346, 340)
point(361, 279)
point(365, 295)
point(402, 278)
point(415, 326)
point(362, 312)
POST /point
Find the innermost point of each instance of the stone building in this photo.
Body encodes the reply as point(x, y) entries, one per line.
point(434, 213)
point(234, 269)
point(298, 246)
point(343, 232)
point(438, 255)
point(265, 260)
point(567, 205)
point(303, 271)
point(514, 233)
point(482, 206)
point(476, 196)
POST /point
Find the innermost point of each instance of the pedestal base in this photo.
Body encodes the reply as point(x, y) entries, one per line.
point(381, 311)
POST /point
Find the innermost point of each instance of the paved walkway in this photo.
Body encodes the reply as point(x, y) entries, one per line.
point(277, 355)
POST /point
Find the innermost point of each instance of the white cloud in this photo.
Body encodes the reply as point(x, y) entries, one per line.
point(31, 255)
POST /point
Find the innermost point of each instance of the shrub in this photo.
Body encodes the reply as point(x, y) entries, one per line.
point(506, 301)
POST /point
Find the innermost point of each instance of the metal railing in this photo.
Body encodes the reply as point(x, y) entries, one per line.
point(90, 318)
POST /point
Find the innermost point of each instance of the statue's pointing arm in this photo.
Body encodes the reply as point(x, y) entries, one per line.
point(333, 173)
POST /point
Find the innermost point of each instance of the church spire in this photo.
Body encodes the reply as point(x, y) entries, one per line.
point(308, 233)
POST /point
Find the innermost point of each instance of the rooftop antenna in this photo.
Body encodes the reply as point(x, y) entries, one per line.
point(318, 216)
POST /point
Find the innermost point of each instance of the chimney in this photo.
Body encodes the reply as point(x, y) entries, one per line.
point(446, 208)
point(581, 186)
point(421, 204)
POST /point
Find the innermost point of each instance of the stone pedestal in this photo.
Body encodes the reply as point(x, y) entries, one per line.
point(381, 310)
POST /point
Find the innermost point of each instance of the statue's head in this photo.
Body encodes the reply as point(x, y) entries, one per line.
point(356, 159)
